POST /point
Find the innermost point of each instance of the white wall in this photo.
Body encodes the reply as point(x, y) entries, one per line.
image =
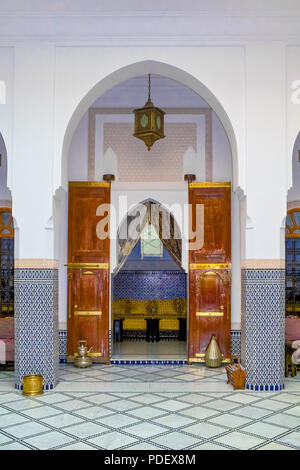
point(222, 163)
point(292, 106)
point(60, 216)
point(61, 85)
point(33, 147)
point(239, 60)
point(265, 149)
point(133, 93)
point(6, 108)
point(219, 69)
point(78, 154)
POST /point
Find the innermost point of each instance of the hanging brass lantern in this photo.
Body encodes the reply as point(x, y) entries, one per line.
point(149, 121)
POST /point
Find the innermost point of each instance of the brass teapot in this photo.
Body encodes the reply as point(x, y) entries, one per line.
point(82, 359)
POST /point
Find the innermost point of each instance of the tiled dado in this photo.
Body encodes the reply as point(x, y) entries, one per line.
point(263, 310)
point(36, 320)
point(148, 285)
point(235, 344)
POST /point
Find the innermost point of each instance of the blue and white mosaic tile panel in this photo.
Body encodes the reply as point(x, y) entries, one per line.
point(236, 342)
point(62, 334)
point(36, 325)
point(148, 285)
point(263, 310)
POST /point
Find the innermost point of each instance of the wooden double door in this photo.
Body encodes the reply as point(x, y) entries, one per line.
point(88, 269)
point(209, 269)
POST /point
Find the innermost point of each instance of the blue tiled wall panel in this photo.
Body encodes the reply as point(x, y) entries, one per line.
point(236, 342)
point(147, 285)
point(62, 346)
point(263, 311)
point(36, 325)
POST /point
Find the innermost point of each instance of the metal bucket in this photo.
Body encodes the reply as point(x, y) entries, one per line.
point(33, 385)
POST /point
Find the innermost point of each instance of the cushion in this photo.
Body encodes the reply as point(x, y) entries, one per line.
point(9, 349)
point(292, 329)
point(7, 327)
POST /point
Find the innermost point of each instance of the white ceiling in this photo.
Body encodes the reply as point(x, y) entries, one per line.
point(164, 92)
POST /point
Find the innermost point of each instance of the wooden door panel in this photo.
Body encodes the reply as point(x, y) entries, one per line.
point(83, 243)
point(209, 311)
point(217, 223)
point(88, 271)
point(210, 271)
point(88, 290)
point(210, 286)
point(89, 311)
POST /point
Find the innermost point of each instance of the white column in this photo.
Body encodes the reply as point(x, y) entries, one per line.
point(36, 315)
point(263, 274)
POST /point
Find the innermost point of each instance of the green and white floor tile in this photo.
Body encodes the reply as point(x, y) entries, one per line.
point(148, 408)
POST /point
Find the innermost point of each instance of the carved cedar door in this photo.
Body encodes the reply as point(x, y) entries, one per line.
point(88, 269)
point(210, 268)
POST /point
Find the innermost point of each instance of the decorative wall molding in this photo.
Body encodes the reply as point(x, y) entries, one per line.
point(263, 264)
point(28, 263)
point(115, 23)
point(93, 112)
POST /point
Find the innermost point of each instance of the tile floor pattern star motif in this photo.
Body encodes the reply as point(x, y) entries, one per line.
point(149, 408)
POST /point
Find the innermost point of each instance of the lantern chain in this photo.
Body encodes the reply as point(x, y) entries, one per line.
point(149, 87)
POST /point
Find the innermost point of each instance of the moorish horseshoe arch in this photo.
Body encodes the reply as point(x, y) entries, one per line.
point(143, 68)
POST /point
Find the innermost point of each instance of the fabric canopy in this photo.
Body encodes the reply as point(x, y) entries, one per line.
point(132, 229)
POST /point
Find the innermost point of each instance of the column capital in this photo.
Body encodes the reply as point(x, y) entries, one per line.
point(261, 263)
point(36, 263)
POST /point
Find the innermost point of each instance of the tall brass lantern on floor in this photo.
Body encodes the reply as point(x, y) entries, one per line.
point(149, 121)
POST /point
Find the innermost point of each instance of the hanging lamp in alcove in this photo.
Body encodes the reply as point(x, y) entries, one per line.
point(149, 121)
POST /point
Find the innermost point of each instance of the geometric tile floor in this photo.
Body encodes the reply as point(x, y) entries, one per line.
point(148, 408)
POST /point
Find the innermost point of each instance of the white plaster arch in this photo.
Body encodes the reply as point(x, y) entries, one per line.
point(294, 189)
point(292, 139)
point(142, 68)
point(283, 223)
point(5, 193)
point(2, 92)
